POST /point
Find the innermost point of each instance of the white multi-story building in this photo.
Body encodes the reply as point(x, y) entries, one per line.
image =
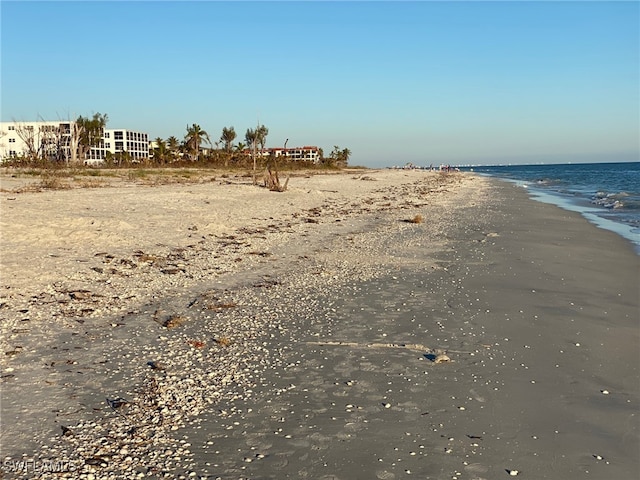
point(33, 138)
point(136, 144)
point(307, 153)
point(53, 140)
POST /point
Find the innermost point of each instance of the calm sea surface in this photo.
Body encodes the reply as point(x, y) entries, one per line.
point(607, 194)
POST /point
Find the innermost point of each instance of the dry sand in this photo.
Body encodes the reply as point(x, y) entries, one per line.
point(310, 329)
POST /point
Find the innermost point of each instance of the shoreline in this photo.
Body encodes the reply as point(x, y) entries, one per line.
point(587, 211)
point(604, 193)
point(331, 328)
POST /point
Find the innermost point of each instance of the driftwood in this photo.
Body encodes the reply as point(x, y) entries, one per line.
point(436, 355)
point(272, 181)
point(406, 346)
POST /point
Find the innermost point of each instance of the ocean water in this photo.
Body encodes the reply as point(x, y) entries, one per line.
point(606, 194)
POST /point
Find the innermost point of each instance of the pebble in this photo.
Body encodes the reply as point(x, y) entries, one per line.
point(193, 379)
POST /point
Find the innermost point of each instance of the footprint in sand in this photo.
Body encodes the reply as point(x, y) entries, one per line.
point(279, 461)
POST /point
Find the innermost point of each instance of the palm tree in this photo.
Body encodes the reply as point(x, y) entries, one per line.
point(160, 151)
point(338, 158)
point(194, 138)
point(90, 132)
point(345, 154)
point(262, 133)
point(174, 146)
point(227, 137)
point(173, 143)
point(251, 137)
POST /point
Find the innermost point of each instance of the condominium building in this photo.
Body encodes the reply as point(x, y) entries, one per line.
point(307, 153)
point(53, 140)
point(136, 144)
point(44, 139)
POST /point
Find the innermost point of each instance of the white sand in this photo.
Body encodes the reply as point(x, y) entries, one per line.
point(50, 240)
point(46, 235)
point(339, 303)
point(72, 259)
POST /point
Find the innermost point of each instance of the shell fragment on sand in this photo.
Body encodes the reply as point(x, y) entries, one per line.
point(442, 358)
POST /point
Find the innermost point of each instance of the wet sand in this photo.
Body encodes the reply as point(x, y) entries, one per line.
point(538, 311)
point(331, 372)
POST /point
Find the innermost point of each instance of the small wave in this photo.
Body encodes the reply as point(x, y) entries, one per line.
point(608, 203)
point(615, 200)
point(547, 181)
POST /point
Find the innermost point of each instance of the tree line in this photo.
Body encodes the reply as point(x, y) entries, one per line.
point(226, 152)
point(71, 143)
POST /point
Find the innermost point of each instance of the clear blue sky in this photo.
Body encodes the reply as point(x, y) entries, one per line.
point(395, 82)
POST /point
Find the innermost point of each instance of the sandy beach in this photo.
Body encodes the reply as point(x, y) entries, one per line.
point(215, 329)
